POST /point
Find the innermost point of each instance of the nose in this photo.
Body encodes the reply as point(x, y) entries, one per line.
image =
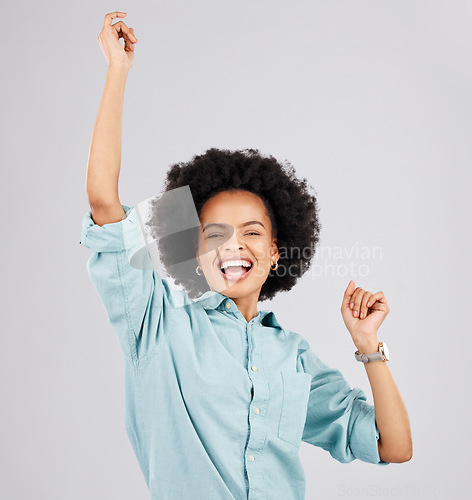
point(233, 243)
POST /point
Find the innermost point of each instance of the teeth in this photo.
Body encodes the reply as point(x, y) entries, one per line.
point(228, 263)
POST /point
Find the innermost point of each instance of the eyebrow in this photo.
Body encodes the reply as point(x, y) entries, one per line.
point(244, 224)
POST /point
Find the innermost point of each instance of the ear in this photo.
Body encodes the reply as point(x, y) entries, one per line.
point(274, 251)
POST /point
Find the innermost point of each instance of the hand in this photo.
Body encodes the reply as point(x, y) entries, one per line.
point(114, 52)
point(364, 316)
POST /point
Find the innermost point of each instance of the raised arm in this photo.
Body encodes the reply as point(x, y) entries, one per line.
point(104, 161)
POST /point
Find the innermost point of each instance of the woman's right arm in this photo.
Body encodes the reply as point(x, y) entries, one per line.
point(104, 161)
point(134, 297)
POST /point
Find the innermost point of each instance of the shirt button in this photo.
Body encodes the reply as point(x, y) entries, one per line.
point(250, 328)
point(228, 305)
point(254, 368)
point(251, 458)
point(256, 411)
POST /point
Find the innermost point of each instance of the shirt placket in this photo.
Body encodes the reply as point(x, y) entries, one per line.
point(257, 413)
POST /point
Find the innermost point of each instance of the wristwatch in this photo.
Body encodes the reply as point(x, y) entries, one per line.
point(380, 355)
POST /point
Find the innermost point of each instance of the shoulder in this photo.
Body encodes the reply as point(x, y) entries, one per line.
point(301, 341)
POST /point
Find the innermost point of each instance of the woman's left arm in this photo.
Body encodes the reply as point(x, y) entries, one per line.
point(363, 313)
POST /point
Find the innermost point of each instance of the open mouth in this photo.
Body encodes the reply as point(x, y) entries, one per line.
point(236, 270)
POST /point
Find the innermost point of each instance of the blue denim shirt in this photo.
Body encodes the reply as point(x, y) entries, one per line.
point(216, 406)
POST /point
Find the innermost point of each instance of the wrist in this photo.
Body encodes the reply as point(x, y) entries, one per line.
point(117, 69)
point(368, 347)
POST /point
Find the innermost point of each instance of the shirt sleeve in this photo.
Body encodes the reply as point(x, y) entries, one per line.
point(133, 298)
point(339, 418)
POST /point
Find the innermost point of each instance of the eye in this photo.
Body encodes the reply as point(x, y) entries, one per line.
point(253, 232)
point(214, 235)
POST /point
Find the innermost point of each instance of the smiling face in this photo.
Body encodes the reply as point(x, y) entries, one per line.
point(236, 226)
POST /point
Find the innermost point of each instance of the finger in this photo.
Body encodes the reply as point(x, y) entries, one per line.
point(357, 296)
point(124, 32)
point(354, 296)
point(112, 15)
point(132, 31)
point(379, 296)
point(364, 309)
point(128, 45)
point(380, 304)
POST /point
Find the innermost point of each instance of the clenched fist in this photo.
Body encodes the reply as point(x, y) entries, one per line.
point(114, 52)
point(363, 312)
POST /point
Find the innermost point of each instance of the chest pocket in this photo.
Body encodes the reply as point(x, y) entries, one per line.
point(296, 391)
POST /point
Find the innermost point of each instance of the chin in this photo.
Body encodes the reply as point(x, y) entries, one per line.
point(239, 290)
point(240, 295)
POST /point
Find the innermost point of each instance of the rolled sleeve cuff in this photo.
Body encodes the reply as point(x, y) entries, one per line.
point(112, 237)
point(365, 436)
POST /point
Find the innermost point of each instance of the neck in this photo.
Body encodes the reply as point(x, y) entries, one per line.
point(247, 305)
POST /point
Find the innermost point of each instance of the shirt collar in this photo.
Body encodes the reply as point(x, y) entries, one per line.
point(211, 299)
point(216, 300)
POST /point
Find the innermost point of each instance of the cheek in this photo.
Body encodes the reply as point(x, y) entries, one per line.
point(207, 259)
point(261, 250)
point(200, 246)
point(202, 249)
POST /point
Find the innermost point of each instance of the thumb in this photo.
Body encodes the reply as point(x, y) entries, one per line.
point(348, 294)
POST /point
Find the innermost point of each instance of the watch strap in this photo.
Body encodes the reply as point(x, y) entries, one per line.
point(366, 358)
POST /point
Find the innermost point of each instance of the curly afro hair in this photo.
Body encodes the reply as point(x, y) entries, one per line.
point(292, 210)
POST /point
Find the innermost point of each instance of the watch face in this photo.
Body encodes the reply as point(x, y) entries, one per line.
point(385, 350)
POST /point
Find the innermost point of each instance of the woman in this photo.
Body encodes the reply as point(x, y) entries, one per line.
point(218, 394)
